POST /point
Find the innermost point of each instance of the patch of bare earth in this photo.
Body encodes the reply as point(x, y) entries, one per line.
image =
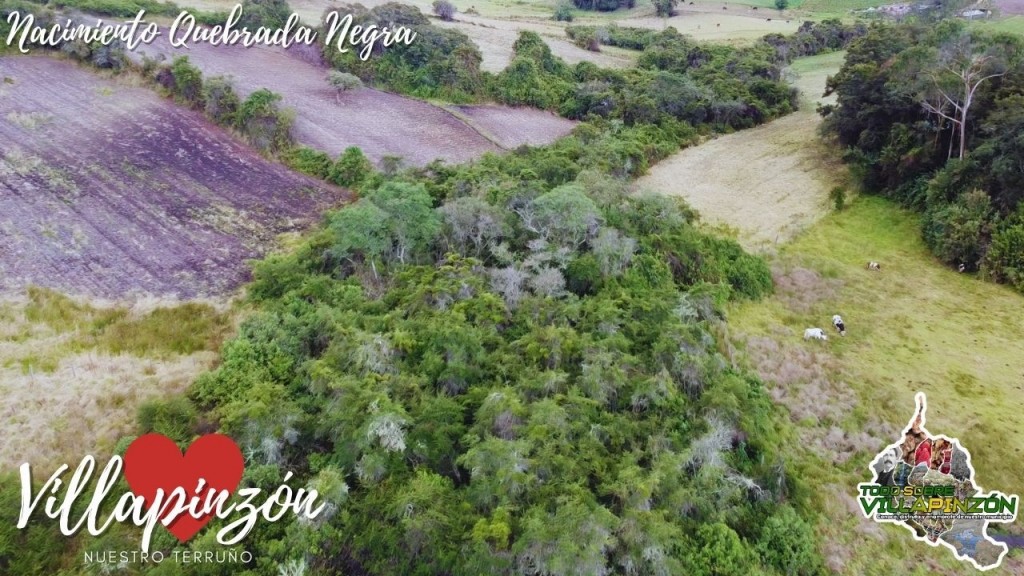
point(501, 124)
point(120, 192)
point(379, 123)
point(1008, 7)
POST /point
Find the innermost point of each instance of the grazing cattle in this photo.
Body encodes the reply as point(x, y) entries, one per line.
point(961, 268)
point(875, 266)
point(768, 19)
point(837, 321)
point(816, 333)
point(755, 7)
point(718, 25)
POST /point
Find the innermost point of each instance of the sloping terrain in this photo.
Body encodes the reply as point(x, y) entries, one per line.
point(768, 183)
point(914, 326)
point(380, 123)
point(108, 190)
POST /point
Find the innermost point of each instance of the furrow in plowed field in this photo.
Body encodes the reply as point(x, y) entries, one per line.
point(379, 123)
point(108, 190)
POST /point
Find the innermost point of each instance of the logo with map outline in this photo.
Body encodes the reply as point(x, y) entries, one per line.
point(926, 483)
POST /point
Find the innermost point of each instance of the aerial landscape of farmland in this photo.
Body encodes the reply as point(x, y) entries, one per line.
point(549, 287)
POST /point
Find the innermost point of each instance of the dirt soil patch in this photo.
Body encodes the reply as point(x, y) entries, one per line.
point(107, 190)
point(379, 123)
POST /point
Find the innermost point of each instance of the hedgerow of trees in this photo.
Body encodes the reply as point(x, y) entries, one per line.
point(930, 115)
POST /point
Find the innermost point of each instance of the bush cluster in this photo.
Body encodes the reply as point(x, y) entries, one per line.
point(971, 205)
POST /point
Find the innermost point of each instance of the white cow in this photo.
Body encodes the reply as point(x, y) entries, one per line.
point(837, 321)
point(875, 266)
point(816, 333)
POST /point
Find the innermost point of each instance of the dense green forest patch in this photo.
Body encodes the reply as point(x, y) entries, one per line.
point(931, 117)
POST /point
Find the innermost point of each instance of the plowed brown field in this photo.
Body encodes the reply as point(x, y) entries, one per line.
point(378, 122)
point(108, 190)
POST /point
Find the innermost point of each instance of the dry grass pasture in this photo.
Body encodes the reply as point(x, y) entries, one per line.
point(914, 326)
point(74, 373)
point(766, 184)
point(108, 190)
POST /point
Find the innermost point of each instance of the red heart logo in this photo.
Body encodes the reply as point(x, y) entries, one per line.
point(154, 461)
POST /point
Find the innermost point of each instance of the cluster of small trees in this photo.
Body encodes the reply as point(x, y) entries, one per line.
point(258, 118)
point(492, 373)
point(931, 115)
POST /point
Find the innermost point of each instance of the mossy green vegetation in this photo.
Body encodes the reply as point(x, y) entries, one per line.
point(176, 329)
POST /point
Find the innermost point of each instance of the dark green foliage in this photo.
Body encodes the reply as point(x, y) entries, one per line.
point(564, 11)
point(506, 363)
point(787, 544)
point(175, 418)
point(900, 150)
point(440, 63)
point(119, 8)
point(35, 550)
point(781, 4)
point(955, 232)
point(220, 102)
point(267, 13)
point(129, 8)
point(665, 8)
point(603, 5)
point(351, 169)
point(1004, 260)
point(187, 86)
point(612, 35)
point(838, 197)
point(263, 124)
point(309, 161)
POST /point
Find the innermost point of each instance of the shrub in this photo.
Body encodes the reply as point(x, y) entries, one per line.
point(787, 543)
point(444, 10)
point(188, 82)
point(268, 13)
point(781, 4)
point(665, 8)
point(343, 81)
point(309, 161)
point(351, 168)
point(955, 232)
point(838, 196)
point(175, 418)
point(564, 11)
point(220, 102)
point(264, 125)
point(1004, 261)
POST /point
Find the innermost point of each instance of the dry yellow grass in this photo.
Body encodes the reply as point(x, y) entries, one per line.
point(63, 397)
point(767, 184)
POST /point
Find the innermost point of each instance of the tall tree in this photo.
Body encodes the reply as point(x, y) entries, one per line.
point(951, 80)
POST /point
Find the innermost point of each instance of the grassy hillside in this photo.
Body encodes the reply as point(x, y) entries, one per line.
point(914, 326)
point(769, 183)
